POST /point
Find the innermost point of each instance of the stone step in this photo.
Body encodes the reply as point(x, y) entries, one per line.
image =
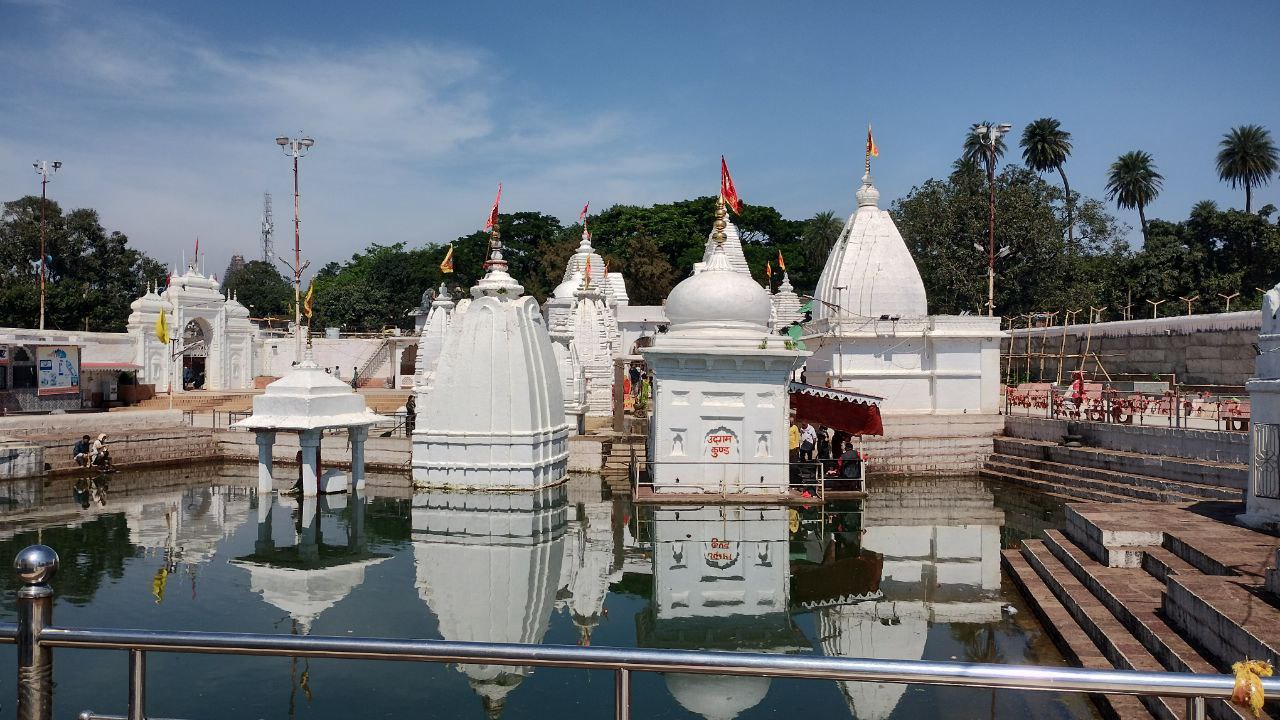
point(1072, 493)
point(1135, 600)
point(1226, 474)
point(1194, 489)
point(1161, 563)
point(1118, 646)
point(1068, 479)
point(1227, 616)
point(1067, 634)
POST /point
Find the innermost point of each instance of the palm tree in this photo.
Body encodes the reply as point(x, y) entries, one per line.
point(1046, 146)
point(975, 151)
point(1133, 183)
point(1248, 157)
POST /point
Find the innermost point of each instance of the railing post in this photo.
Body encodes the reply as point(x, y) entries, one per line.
point(1195, 708)
point(622, 694)
point(137, 685)
point(34, 566)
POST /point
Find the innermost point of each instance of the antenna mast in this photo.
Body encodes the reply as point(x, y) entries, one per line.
point(268, 245)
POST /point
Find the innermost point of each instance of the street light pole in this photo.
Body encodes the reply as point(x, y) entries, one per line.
point(45, 168)
point(296, 147)
point(989, 136)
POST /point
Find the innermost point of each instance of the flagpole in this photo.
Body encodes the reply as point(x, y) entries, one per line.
point(868, 148)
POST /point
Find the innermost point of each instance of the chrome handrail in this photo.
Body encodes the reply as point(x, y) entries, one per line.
point(36, 636)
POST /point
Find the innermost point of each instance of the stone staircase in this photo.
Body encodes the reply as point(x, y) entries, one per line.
point(1111, 590)
point(1101, 475)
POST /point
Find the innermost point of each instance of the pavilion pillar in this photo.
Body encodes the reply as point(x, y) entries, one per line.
point(357, 435)
point(266, 443)
point(309, 535)
point(264, 543)
point(310, 442)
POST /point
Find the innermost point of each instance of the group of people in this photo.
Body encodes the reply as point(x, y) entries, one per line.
point(92, 454)
point(637, 385)
point(834, 450)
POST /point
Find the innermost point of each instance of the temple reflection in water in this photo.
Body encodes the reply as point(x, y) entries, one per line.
point(902, 575)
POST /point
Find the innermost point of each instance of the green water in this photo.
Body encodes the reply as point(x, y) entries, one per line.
point(912, 572)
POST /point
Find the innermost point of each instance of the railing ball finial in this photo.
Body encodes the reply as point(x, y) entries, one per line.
point(35, 565)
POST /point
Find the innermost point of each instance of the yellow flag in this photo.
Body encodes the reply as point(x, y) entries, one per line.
point(162, 328)
point(446, 266)
point(306, 302)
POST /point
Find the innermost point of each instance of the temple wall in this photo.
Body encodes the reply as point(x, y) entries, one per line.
point(1212, 349)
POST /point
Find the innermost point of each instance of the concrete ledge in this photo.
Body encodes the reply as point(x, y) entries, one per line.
point(19, 459)
point(1191, 444)
point(88, 423)
point(586, 453)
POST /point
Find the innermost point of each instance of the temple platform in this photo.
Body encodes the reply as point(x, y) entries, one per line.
point(1154, 586)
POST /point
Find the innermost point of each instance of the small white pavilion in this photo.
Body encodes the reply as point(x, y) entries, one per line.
point(720, 385)
point(309, 401)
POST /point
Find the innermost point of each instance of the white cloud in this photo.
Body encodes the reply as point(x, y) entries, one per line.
point(170, 134)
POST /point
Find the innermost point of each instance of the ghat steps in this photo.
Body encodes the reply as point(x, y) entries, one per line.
point(1100, 475)
point(1153, 587)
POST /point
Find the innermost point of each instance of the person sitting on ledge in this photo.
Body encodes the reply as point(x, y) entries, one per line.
point(80, 453)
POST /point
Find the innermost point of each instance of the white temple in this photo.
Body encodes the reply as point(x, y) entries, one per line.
point(721, 578)
point(732, 245)
point(871, 331)
point(432, 330)
point(493, 417)
point(786, 305)
point(487, 567)
point(214, 330)
point(1262, 497)
point(719, 385)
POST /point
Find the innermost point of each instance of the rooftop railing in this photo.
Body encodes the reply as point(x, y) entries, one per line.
point(1171, 408)
point(35, 636)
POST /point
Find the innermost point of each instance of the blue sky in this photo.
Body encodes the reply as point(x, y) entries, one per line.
point(164, 113)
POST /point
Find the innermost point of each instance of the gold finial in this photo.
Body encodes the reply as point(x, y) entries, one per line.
point(720, 225)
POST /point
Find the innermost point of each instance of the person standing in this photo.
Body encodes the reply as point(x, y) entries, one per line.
point(410, 413)
point(634, 375)
point(824, 443)
point(808, 440)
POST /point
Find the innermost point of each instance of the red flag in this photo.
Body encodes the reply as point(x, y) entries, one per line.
point(872, 150)
point(583, 215)
point(727, 190)
point(492, 222)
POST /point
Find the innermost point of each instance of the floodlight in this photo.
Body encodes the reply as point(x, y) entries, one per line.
point(282, 141)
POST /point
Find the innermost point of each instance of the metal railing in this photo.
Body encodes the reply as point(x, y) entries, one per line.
point(36, 636)
point(1172, 408)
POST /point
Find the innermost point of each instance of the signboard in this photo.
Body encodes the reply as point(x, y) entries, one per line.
point(59, 369)
point(4, 354)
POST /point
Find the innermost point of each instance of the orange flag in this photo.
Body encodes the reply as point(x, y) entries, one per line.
point(446, 266)
point(727, 189)
point(768, 270)
point(492, 222)
point(782, 264)
point(872, 150)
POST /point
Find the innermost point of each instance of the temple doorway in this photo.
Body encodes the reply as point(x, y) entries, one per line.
point(195, 354)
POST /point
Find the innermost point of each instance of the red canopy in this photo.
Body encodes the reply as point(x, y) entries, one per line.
point(851, 412)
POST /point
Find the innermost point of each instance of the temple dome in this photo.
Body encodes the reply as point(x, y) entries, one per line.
point(235, 309)
point(150, 303)
point(870, 271)
point(717, 297)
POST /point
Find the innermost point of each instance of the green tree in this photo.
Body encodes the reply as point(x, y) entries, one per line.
point(1247, 157)
point(942, 220)
point(259, 286)
point(1132, 182)
point(92, 278)
point(1046, 146)
point(819, 235)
